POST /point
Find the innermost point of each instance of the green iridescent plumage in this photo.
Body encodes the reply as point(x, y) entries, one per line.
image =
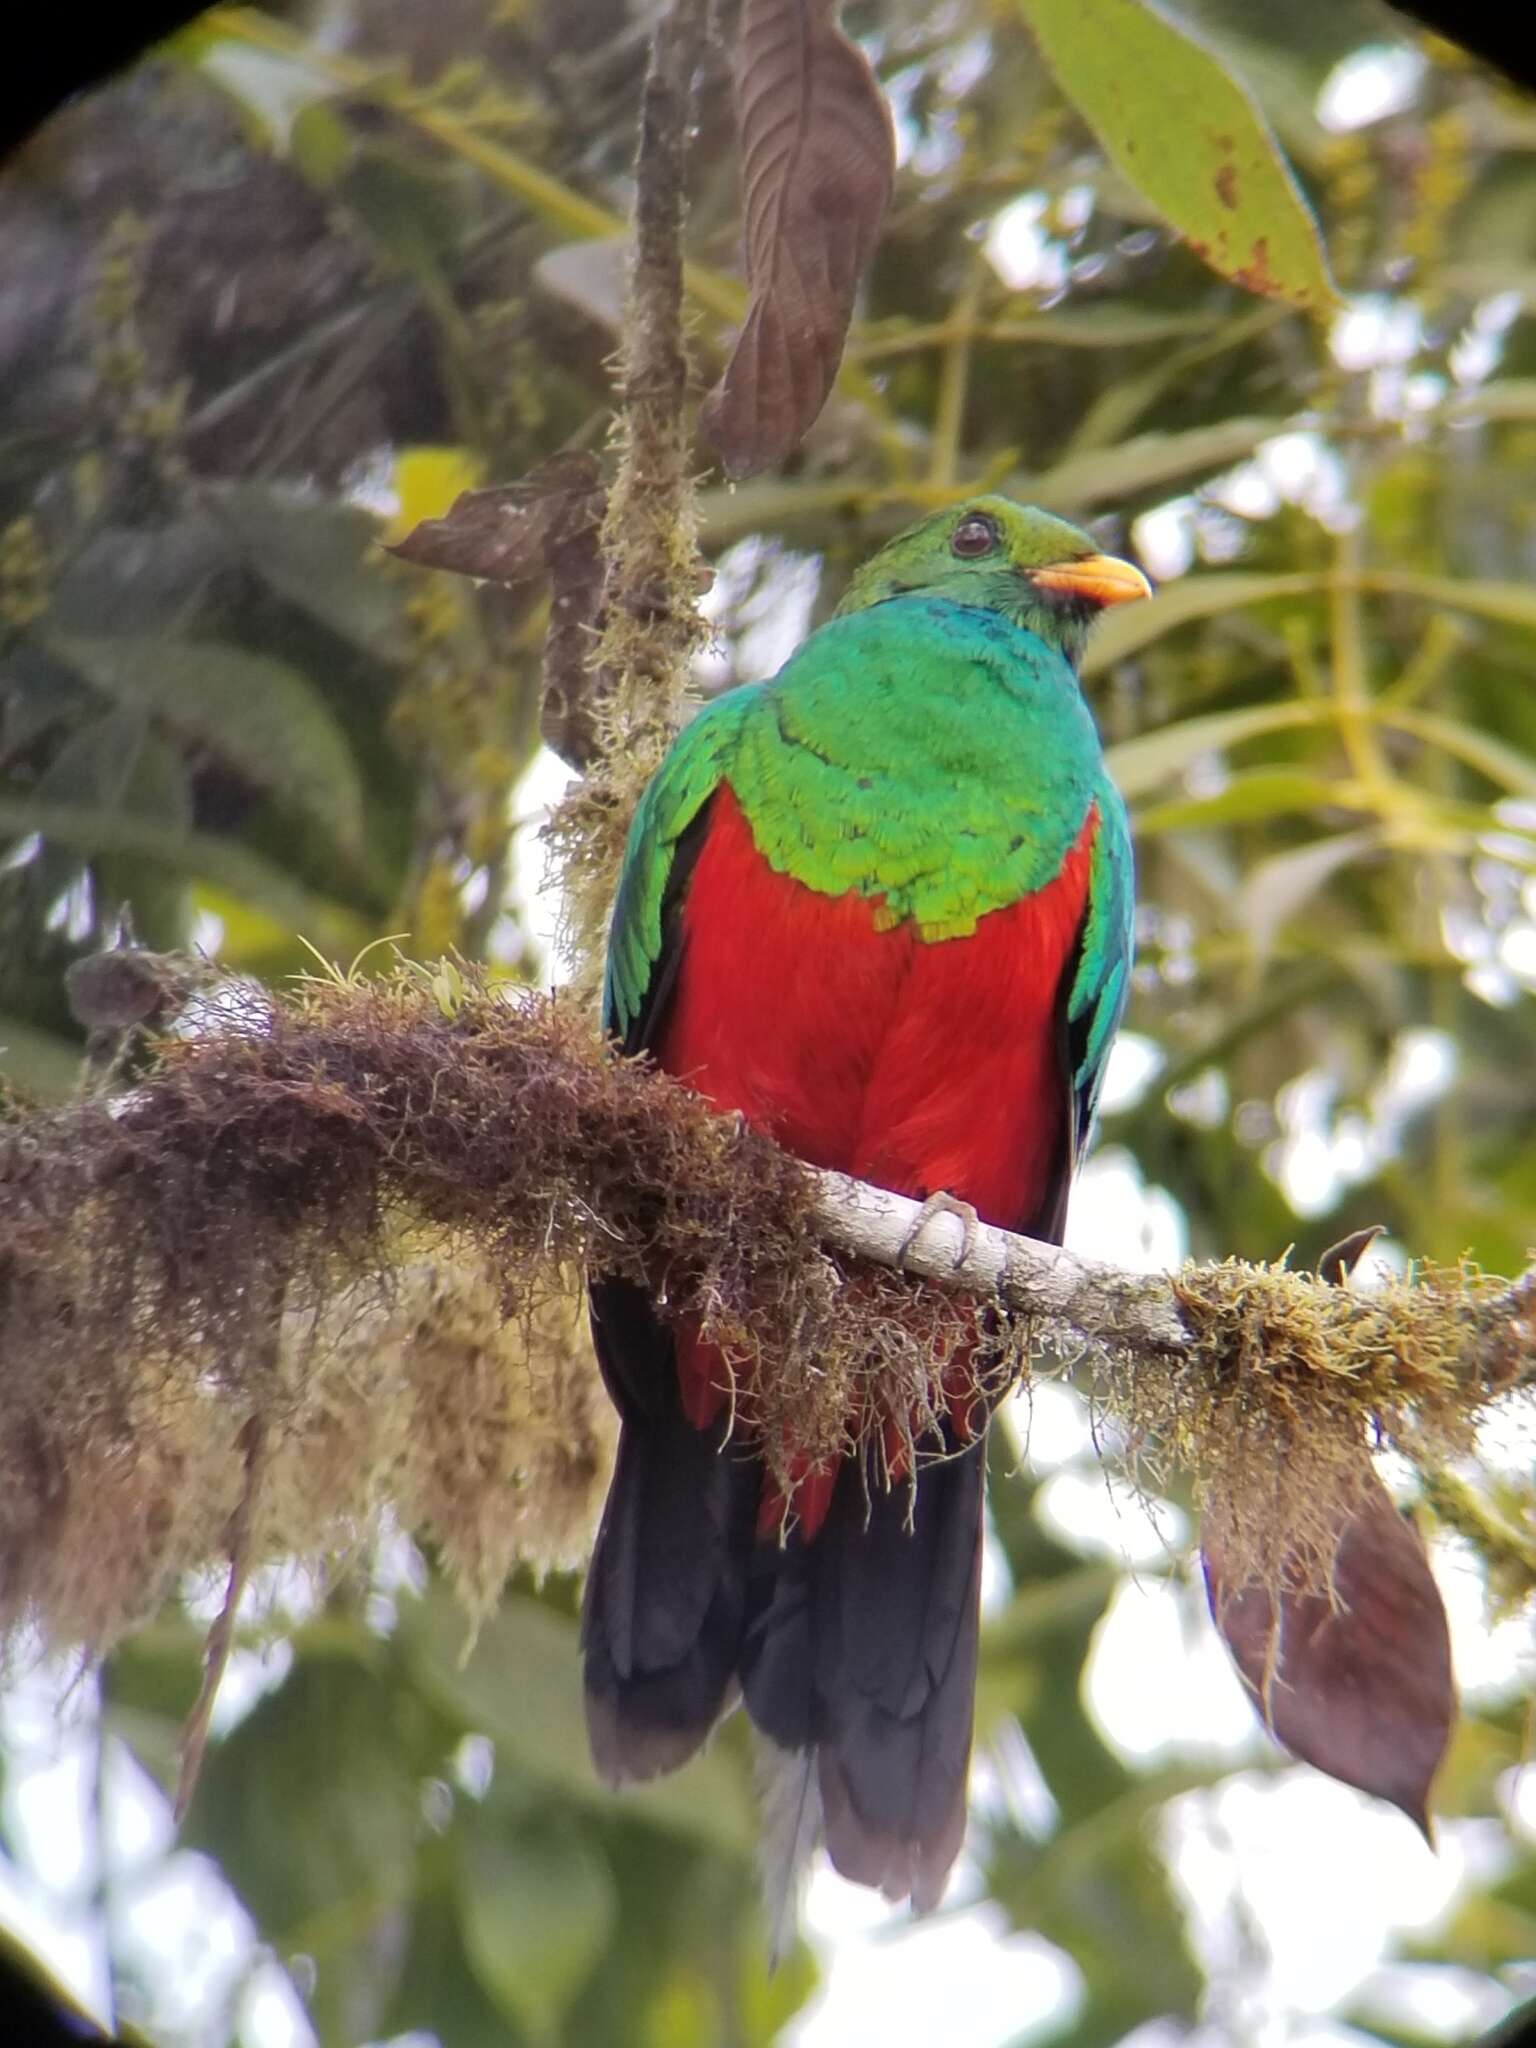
point(875, 759)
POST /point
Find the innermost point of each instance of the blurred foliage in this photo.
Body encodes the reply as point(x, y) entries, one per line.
point(308, 265)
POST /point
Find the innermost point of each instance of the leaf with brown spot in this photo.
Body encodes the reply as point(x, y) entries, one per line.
point(818, 158)
point(1187, 135)
point(1359, 1685)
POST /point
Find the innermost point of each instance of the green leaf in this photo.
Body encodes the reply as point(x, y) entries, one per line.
point(1284, 884)
point(320, 144)
point(1129, 628)
point(271, 90)
point(438, 1996)
point(1147, 463)
point(1107, 323)
point(137, 580)
point(147, 1688)
point(1120, 404)
point(1126, 631)
point(278, 97)
point(407, 208)
point(1093, 1884)
point(521, 1685)
point(36, 1061)
point(1508, 398)
point(1262, 793)
point(1500, 762)
point(263, 718)
point(322, 557)
point(93, 763)
point(1188, 136)
point(1038, 1612)
point(312, 1805)
point(89, 831)
point(1152, 758)
point(1509, 604)
point(537, 1905)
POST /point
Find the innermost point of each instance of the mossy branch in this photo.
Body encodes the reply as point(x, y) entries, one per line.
point(423, 1170)
point(1100, 1307)
point(654, 574)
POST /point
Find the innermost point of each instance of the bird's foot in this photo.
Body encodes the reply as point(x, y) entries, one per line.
point(942, 1204)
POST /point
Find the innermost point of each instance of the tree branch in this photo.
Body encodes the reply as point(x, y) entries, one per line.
point(1100, 1308)
point(1101, 1304)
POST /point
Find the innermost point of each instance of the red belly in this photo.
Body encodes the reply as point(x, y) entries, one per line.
point(916, 1065)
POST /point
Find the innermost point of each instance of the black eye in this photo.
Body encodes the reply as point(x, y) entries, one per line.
point(974, 536)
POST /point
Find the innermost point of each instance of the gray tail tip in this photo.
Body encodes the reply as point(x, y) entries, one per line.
point(789, 1801)
point(627, 1751)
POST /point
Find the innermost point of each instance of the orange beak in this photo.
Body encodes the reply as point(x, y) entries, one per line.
point(1097, 579)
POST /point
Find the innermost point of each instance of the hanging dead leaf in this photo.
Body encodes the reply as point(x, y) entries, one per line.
point(507, 533)
point(572, 686)
point(1359, 1685)
point(818, 158)
point(549, 523)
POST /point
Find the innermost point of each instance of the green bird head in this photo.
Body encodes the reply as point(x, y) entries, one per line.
point(1040, 572)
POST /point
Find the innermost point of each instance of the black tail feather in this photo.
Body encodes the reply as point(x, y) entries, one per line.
point(666, 1593)
point(862, 1644)
point(662, 1619)
point(858, 1647)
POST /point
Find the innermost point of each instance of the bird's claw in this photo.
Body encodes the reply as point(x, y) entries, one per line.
point(942, 1204)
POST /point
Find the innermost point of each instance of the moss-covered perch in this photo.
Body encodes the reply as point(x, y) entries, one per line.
point(355, 1221)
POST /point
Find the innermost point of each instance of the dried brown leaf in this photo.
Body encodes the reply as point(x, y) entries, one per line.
point(818, 157)
point(1341, 1259)
point(549, 523)
point(508, 532)
point(1358, 1684)
point(572, 685)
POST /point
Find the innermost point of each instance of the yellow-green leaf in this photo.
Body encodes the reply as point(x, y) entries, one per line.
point(1262, 793)
point(537, 1906)
point(1098, 476)
point(1490, 756)
point(1283, 885)
point(521, 1684)
point(37, 1060)
point(1152, 758)
point(1130, 628)
point(1507, 604)
point(1190, 139)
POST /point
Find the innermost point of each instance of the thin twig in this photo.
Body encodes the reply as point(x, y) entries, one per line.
point(221, 1637)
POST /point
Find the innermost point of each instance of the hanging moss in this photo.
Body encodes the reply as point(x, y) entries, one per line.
point(360, 1218)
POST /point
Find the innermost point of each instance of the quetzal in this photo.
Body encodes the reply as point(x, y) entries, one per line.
point(881, 905)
